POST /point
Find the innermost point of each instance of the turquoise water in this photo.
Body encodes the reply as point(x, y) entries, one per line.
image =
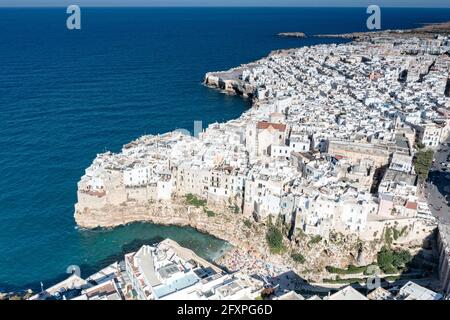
point(65, 96)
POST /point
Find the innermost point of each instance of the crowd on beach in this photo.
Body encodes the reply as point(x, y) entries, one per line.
point(247, 261)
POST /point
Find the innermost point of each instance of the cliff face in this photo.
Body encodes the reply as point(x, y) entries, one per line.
point(226, 226)
point(240, 231)
point(230, 81)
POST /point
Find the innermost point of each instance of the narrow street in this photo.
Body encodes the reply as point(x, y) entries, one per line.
point(437, 188)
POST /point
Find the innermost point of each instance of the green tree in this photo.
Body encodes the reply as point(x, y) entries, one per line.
point(390, 261)
point(400, 258)
point(385, 260)
point(423, 161)
point(274, 239)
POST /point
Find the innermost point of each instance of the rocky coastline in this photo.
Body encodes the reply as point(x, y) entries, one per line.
point(248, 238)
point(426, 30)
point(292, 34)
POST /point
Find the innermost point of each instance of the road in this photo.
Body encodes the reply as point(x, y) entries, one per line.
point(437, 188)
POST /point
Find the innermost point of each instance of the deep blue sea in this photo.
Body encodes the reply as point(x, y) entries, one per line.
point(67, 95)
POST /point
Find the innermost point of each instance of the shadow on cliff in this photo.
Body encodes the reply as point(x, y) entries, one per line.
point(421, 269)
point(290, 281)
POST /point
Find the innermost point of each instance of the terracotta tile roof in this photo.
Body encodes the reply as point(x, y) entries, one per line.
point(411, 205)
point(265, 125)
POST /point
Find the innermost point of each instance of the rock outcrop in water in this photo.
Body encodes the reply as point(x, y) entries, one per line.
point(230, 81)
point(292, 34)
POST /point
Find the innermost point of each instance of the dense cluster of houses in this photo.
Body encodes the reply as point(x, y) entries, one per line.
point(329, 144)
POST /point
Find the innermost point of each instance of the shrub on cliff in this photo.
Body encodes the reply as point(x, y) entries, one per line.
point(248, 223)
point(274, 239)
point(399, 233)
point(315, 239)
point(388, 236)
point(193, 200)
point(210, 213)
point(298, 257)
point(347, 281)
point(351, 269)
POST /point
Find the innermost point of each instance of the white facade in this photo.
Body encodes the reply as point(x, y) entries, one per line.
point(170, 272)
point(164, 189)
point(134, 177)
point(431, 135)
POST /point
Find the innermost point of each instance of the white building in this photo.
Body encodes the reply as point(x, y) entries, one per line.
point(137, 176)
point(168, 271)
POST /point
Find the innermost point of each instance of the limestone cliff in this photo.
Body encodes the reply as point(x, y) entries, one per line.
point(240, 231)
point(231, 81)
